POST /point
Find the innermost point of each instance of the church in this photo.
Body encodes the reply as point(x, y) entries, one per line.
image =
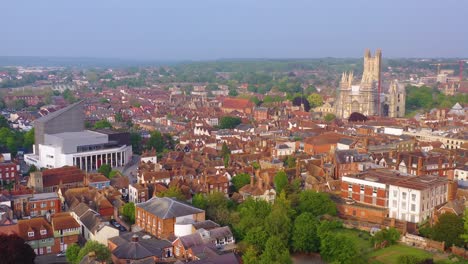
point(366, 97)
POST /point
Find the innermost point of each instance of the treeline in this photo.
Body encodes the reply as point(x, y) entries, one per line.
point(26, 79)
point(426, 98)
point(12, 140)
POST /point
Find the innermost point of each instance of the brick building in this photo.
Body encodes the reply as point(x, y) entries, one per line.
point(42, 203)
point(165, 217)
point(9, 171)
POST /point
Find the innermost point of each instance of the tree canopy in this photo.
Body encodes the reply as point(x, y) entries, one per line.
point(229, 122)
point(316, 203)
point(105, 170)
point(128, 212)
point(13, 249)
point(101, 251)
point(281, 180)
point(101, 124)
point(240, 180)
point(449, 228)
point(315, 100)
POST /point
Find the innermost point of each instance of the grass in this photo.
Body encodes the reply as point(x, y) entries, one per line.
point(361, 239)
point(391, 254)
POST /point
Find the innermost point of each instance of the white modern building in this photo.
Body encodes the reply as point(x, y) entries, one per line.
point(60, 142)
point(414, 198)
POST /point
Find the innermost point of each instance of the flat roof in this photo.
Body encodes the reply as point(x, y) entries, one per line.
point(85, 134)
point(44, 196)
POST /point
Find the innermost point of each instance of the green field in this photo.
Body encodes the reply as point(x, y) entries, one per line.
point(390, 254)
point(361, 238)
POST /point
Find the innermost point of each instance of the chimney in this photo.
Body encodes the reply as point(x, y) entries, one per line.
point(260, 183)
point(251, 180)
point(135, 238)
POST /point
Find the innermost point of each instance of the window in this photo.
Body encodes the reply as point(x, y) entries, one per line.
point(374, 191)
point(350, 186)
point(41, 251)
point(395, 193)
point(413, 207)
point(403, 195)
point(403, 216)
point(43, 232)
point(403, 205)
point(413, 197)
point(43, 205)
point(413, 218)
point(394, 203)
point(52, 203)
point(30, 234)
point(362, 188)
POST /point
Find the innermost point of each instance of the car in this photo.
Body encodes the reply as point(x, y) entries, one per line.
point(117, 225)
point(61, 254)
point(112, 221)
point(122, 228)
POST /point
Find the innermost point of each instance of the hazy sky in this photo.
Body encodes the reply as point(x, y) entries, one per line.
point(214, 29)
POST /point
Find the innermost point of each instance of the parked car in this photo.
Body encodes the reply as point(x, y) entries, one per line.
point(61, 254)
point(122, 228)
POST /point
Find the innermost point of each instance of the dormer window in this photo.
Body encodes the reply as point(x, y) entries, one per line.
point(43, 232)
point(30, 234)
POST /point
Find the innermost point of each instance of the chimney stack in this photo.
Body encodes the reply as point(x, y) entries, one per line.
point(135, 238)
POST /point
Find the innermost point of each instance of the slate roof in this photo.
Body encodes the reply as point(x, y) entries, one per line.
point(166, 207)
point(140, 249)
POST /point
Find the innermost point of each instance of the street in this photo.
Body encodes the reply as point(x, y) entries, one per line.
point(50, 259)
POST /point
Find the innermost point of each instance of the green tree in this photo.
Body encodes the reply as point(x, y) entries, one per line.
point(13, 250)
point(32, 168)
point(449, 229)
point(4, 122)
point(338, 248)
point(250, 256)
point(135, 140)
point(113, 173)
point(465, 224)
point(29, 139)
point(281, 180)
point(19, 104)
point(118, 117)
point(240, 180)
point(315, 100)
point(105, 169)
point(411, 259)
point(278, 222)
point(156, 141)
point(316, 203)
point(290, 162)
point(256, 237)
point(68, 95)
point(329, 117)
point(252, 213)
point(172, 192)
point(199, 201)
point(101, 251)
point(72, 253)
point(128, 212)
point(101, 124)
point(217, 208)
point(390, 235)
point(304, 236)
point(233, 92)
point(229, 122)
point(275, 252)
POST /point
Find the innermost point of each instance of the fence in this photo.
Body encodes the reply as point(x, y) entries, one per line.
point(422, 242)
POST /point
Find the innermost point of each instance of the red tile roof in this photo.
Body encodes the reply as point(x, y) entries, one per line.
point(66, 174)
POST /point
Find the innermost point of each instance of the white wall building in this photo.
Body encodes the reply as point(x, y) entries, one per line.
point(415, 198)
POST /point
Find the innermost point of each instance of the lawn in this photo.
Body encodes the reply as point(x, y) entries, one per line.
point(361, 239)
point(390, 254)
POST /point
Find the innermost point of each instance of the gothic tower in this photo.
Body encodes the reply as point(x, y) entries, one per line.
point(370, 83)
point(397, 100)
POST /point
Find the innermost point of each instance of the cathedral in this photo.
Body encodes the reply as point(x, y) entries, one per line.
point(364, 97)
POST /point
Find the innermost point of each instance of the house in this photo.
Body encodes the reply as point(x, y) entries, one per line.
point(9, 171)
point(165, 217)
point(42, 203)
point(66, 230)
point(38, 233)
point(348, 161)
point(97, 180)
point(259, 191)
point(93, 226)
point(421, 163)
point(139, 248)
point(51, 180)
point(138, 193)
point(220, 237)
point(7, 225)
point(244, 106)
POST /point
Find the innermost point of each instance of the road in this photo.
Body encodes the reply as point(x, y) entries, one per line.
point(131, 169)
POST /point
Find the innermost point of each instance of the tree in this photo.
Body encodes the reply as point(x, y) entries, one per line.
point(290, 162)
point(118, 116)
point(135, 140)
point(252, 213)
point(281, 180)
point(335, 247)
point(229, 122)
point(465, 224)
point(128, 212)
point(101, 124)
point(240, 180)
point(329, 117)
point(172, 192)
point(278, 222)
point(411, 259)
point(101, 251)
point(315, 100)
point(217, 208)
point(256, 237)
point(316, 203)
point(32, 168)
point(301, 100)
point(29, 139)
point(19, 104)
point(72, 253)
point(105, 169)
point(13, 249)
point(304, 236)
point(199, 201)
point(275, 252)
point(250, 256)
point(156, 141)
point(4, 122)
point(68, 95)
point(233, 92)
point(449, 229)
point(113, 173)
point(390, 235)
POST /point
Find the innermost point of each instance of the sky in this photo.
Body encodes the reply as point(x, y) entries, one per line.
point(228, 29)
